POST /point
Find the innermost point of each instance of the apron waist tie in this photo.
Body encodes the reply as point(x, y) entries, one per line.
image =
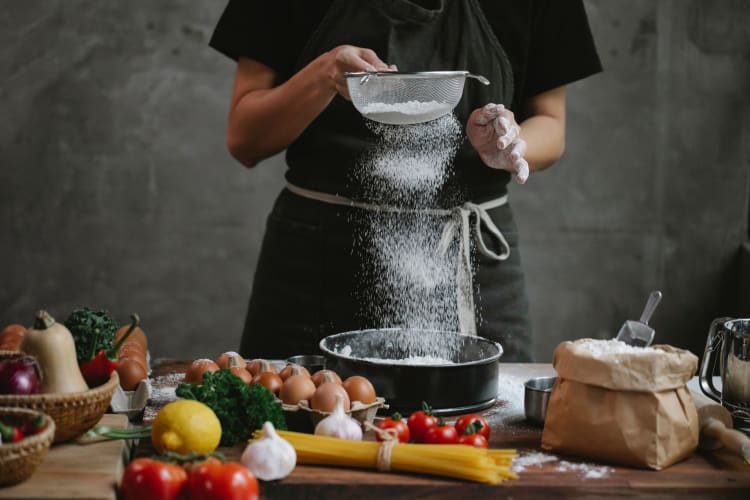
point(458, 226)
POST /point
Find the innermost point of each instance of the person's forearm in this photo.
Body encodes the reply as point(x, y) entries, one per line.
point(545, 140)
point(264, 122)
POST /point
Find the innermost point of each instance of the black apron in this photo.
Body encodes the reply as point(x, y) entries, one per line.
point(309, 274)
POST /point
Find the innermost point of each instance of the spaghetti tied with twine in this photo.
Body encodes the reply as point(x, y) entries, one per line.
point(389, 439)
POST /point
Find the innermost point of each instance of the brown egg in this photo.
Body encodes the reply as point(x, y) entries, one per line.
point(198, 368)
point(296, 388)
point(131, 373)
point(325, 376)
point(257, 366)
point(131, 349)
point(359, 389)
point(293, 369)
point(325, 397)
point(138, 336)
point(137, 359)
point(223, 359)
point(269, 380)
point(242, 373)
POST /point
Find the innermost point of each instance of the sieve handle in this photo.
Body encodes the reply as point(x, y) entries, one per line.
point(478, 77)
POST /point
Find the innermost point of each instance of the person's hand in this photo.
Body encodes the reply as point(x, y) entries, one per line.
point(348, 58)
point(494, 133)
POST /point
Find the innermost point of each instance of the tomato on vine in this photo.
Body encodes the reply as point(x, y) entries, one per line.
point(420, 422)
point(442, 433)
point(478, 422)
point(395, 422)
point(147, 478)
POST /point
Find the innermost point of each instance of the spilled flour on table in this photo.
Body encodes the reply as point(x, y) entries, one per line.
point(163, 392)
point(536, 458)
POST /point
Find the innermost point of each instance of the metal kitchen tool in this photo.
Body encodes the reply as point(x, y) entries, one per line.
point(468, 383)
point(400, 98)
point(638, 333)
point(536, 397)
point(311, 362)
point(729, 341)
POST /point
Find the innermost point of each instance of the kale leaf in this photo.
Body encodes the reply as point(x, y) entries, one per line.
point(241, 408)
point(91, 329)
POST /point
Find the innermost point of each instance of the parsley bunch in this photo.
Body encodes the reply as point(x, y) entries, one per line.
point(241, 408)
point(92, 331)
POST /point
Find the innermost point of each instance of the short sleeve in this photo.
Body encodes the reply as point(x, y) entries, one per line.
point(561, 46)
point(270, 32)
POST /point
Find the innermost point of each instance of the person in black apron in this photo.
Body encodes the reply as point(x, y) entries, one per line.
point(309, 276)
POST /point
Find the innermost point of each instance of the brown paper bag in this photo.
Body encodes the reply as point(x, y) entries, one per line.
point(624, 408)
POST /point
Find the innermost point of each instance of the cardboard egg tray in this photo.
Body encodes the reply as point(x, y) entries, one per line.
point(302, 418)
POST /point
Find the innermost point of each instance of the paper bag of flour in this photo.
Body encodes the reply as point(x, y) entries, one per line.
point(621, 404)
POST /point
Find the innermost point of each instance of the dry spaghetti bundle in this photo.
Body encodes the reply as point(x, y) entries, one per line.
point(451, 460)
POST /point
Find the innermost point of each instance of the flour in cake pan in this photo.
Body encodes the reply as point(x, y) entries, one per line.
point(525, 460)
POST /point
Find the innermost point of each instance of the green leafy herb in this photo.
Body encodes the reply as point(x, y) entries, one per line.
point(92, 331)
point(241, 408)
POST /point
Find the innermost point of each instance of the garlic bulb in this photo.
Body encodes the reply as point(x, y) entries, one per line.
point(340, 425)
point(269, 457)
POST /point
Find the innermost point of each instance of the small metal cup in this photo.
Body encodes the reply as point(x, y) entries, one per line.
point(535, 398)
point(313, 362)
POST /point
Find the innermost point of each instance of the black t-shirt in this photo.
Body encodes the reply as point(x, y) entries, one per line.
point(548, 44)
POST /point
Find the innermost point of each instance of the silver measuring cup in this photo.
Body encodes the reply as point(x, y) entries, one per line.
point(728, 343)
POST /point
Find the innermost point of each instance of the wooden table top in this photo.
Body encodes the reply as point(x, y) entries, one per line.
point(717, 474)
point(71, 470)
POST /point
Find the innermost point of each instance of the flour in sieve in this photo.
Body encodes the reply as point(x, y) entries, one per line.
point(405, 112)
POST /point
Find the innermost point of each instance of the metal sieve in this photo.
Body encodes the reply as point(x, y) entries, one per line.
point(407, 98)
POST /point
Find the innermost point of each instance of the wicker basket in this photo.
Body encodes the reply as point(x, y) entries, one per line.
point(73, 413)
point(19, 460)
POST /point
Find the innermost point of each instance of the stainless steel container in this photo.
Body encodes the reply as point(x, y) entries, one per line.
point(728, 343)
point(536, 397)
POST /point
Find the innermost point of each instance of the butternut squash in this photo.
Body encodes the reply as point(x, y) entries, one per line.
point(52, 345)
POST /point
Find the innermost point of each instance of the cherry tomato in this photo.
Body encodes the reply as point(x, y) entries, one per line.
point(145, 478)
point(397, 423)
point(473, 440)
point(441, 434)
point(213, 479)
point(478, 422)
point(420, 421)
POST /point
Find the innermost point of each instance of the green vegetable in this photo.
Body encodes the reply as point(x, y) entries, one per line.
point(241, 408)
point(92, 331)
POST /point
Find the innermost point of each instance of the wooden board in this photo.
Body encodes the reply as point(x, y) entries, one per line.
point(77, 471)
point(707, 475)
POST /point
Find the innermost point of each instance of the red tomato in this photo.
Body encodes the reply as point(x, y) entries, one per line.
point(145, 478)
point(212, 479)
point(473, 440)
point(478, 423)
point(441, 434)
point(394, 422)
point(420, 421)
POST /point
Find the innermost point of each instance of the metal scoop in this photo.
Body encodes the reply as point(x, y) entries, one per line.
point(638, 333)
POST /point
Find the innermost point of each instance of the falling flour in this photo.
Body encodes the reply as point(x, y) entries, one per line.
point(406, 281)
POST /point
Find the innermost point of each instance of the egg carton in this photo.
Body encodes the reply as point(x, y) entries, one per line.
point(302, 418)
point(133, 403)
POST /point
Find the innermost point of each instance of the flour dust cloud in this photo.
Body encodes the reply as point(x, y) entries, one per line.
point(410, 281)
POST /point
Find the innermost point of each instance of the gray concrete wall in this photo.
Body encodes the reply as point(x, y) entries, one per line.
point(116, 190)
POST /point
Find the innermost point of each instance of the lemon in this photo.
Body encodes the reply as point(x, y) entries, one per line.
point(186, 426)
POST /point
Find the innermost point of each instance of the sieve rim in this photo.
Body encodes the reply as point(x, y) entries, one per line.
point(408, 74)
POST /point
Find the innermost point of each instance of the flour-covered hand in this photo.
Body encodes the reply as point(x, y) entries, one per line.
point(494, 133)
